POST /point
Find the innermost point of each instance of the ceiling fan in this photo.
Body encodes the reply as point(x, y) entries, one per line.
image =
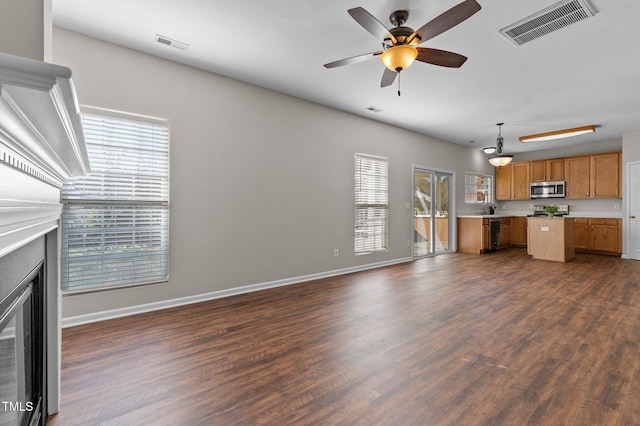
point(399, 43)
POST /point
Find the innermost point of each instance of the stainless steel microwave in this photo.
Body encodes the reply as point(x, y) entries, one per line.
point(548, 189)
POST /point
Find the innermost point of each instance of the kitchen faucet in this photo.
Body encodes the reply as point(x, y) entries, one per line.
point(489, 208)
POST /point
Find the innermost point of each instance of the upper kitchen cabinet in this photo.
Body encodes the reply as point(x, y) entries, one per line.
point(547, 170)
point(594, 176)
point(512, 181)
point(606, 175)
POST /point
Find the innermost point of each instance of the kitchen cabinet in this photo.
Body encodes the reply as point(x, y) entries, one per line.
point(598, 235)
point(577, 172)
point(547, 170)
point(512, 181)
point(519, 231)
point(606, 175)
point(505, 232)
point(503, 182)
point(486, 243)
point(473, 234)
point(581, 233)
point(594, 176)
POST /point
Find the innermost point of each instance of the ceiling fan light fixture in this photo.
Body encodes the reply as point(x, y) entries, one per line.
point(398, 58)
point(558, 134)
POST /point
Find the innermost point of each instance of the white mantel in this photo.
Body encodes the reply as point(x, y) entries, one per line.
point(41, 146)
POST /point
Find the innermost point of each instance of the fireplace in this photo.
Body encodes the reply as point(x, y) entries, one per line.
point(23, 360)
point(41, 146)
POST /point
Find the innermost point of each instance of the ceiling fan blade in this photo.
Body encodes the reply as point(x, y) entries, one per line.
point(371, 24)
point(446, 20)
point(352, 60)
point(439, 57)
point(388, 77)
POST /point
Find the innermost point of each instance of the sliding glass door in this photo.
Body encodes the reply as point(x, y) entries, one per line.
point(431, 224)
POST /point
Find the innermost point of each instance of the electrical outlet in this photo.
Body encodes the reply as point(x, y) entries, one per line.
point(407, 206)
point(616, 206)
point(336, 253)
point(408, 243)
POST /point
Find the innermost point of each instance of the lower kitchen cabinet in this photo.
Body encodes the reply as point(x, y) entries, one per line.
point(474, 233)
point(598, 235)
point(519, 231)
point(505, 232)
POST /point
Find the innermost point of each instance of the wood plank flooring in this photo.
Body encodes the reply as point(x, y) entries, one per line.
point(458, 339)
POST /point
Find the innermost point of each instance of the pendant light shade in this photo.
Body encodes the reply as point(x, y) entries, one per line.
point(398, 58)
point(499, 160)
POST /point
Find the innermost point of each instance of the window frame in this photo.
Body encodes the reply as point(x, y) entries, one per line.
point(372, 208)
point(151, 206)
point(474, 191)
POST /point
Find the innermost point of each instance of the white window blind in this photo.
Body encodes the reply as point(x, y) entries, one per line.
point(372, 204)
point(115, 222)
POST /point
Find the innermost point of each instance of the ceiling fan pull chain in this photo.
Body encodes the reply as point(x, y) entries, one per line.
point(398, 83)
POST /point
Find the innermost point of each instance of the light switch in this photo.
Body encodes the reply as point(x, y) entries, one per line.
point(544, 229)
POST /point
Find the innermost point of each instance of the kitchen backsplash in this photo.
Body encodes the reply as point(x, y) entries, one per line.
point(609, 207)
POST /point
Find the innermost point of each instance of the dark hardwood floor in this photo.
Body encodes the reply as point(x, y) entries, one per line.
point(458, 339)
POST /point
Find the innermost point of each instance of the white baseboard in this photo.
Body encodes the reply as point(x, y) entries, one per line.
point(155, 306)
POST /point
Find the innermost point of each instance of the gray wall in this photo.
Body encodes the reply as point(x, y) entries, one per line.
point(261, 183)
point(25, 29)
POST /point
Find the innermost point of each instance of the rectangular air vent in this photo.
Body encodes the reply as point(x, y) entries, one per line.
point(551, 19)
point(171, 42)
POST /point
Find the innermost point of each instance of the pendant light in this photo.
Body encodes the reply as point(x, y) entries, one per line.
point(499, 159)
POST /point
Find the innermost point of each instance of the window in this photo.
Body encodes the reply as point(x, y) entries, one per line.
point(478, 188)
point(372, 204)
point(115, 221)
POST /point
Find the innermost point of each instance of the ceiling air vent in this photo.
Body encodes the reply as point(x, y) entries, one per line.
point(171, 42)
point(546, 21)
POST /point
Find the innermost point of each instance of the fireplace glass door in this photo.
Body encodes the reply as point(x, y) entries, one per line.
point(21, 356)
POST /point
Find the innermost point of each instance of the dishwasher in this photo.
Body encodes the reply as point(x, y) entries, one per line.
point(494, 233)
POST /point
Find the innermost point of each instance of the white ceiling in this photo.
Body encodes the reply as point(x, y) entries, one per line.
point(587, 73)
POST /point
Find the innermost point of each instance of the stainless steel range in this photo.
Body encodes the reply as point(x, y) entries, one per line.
point(538, 210)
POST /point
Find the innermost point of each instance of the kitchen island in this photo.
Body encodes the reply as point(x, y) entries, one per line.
point(551, 238)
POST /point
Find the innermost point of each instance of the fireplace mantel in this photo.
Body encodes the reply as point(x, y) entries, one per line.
point(41, 146)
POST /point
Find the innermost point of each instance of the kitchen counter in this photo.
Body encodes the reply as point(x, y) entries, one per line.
point(598, 215)
point(484, 216)
point(595, 214)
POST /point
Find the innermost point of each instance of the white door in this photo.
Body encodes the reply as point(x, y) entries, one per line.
point(634, 210)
